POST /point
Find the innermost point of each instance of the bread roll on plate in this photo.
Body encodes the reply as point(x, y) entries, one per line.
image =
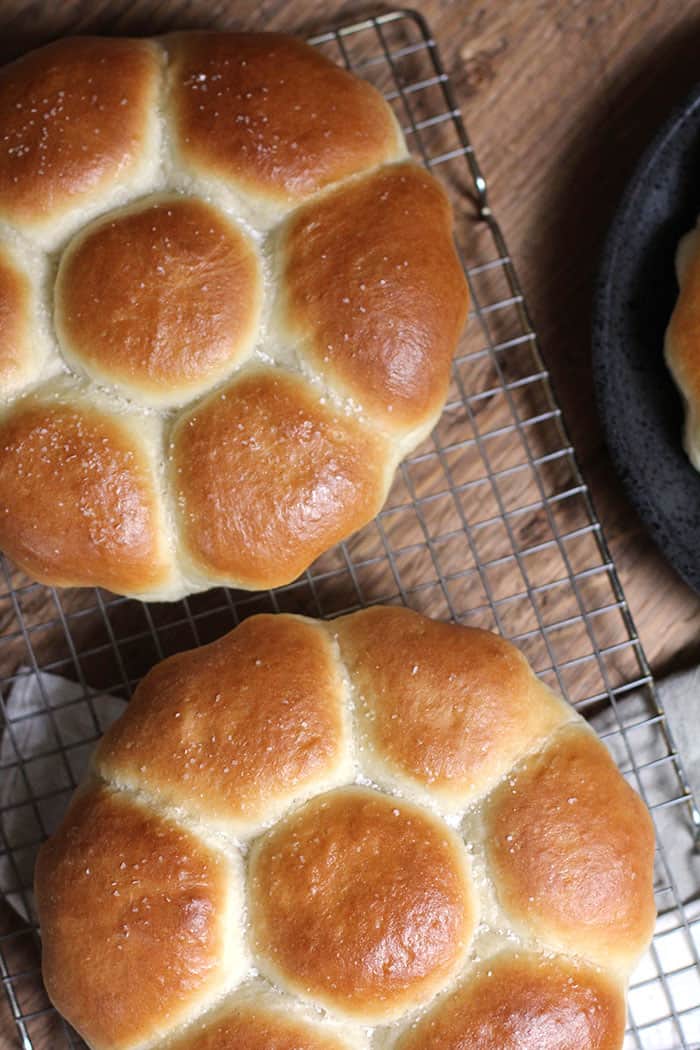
point(381, 831)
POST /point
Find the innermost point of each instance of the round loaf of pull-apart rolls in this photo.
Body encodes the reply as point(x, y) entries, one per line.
point(381, 831)
point(228, 304)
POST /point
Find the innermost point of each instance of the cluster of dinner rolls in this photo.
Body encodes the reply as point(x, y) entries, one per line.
point(228, 306)
point(381, 831)
point(682, 345)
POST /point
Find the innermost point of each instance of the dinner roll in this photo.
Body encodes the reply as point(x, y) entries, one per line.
point(235, 731)
point(682, 344)
point(443, 711)
point(357, 254)
point(80, 131)
point(190, 281)
point(259, 861)
point(567, 808)
point(257, 1018)
point(219, 235)
point(141, 919)
point(523, 1001)
point(362, 903)
point(267, 476)
point(79, 492)
point(299, 123)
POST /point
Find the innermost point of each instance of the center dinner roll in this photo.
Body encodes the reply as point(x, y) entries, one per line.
point(380, 832)
point(216, 242)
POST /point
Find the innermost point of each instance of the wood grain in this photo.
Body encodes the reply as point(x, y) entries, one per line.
point(577, 91)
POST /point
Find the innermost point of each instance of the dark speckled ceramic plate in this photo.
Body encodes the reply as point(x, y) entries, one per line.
point(640, 407)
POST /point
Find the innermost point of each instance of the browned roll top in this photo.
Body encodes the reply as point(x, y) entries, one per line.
point(78, 497)
point(136, 913)
point(568, 809)
point(75, 118)
point(682, 342)
point(378, 304)
point(262, 1024)
point(259, 862)
point(187, 223)
point(160, 299)
point(523, 1001)
point(362, 903)
point(268, 477)
point(447, 709)
point(234, 731)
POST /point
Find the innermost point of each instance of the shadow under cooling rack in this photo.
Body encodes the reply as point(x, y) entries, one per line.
point(489, 523)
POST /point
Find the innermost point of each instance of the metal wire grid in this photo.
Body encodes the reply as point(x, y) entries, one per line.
point(489, 523)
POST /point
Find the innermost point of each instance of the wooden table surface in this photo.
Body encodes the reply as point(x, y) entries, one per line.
point(560, 97)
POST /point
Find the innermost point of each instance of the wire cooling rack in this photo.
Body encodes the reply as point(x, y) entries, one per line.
point(490, 523)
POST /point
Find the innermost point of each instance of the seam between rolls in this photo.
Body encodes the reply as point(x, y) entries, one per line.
point(474, 816)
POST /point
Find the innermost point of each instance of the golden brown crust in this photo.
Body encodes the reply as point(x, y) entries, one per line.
point(78, 499)
point(263, 1024)
point(525, 1002)
point(161, 298)
point(15, 324)
point(362, 902)
point(373, 284)
point(295, 123)
point(571, 849)
point(443, 707)
point(237, 729)
point(358, 902)
point(75, 115)
point(268, 477)
point(133, 913)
